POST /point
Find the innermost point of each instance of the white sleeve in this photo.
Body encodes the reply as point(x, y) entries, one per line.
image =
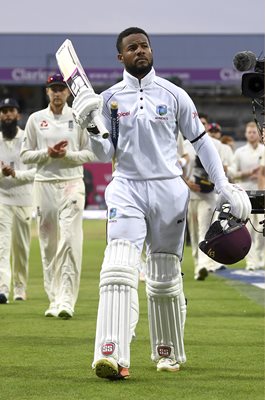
point(26, 175)
point(103, 148)
point(190, 124)
point(29, 154)
point(211, 161)
point(84, 154)
point(233, 169)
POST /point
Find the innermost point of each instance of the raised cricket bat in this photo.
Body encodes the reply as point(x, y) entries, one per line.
point(76, 78)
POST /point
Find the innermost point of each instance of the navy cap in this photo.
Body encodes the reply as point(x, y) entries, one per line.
point(56, 79)
point(9, 103)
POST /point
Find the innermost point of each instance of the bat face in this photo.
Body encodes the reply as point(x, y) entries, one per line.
point(71, 68)
point(76, 82)
point(76, 79)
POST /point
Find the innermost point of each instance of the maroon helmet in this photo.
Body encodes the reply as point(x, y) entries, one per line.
point(227, 241)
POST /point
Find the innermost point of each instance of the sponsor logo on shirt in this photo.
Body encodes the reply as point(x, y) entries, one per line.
point(70, 124)
point(194, 114)
point(44, 124)
point(124, 114)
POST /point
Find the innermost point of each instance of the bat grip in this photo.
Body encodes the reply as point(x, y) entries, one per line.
point(99, 124)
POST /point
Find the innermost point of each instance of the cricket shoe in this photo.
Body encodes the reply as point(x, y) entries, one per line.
point(201, 274)
point(3, 299)
point(19, 294)
point(167, 364)
point(108, 368)
point(52, 311)
point(65, 312)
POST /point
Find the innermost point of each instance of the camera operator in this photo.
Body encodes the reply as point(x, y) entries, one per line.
point(245, 170)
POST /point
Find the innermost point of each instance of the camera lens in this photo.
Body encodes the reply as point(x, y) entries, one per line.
point(256, 84)
point(253, 85)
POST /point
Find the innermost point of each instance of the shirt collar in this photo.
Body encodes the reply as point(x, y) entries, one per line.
point(135, 83)
point(64, 110)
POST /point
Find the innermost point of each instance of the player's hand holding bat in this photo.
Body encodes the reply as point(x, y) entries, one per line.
point(237, 198)
point(86, 106)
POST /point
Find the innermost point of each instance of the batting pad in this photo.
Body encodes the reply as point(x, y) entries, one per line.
point(118, 310)
point(166, 306)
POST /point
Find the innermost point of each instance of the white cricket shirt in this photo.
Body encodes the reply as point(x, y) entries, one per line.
point(15, 191)
point(151, 113)
point(246, 158)
point(45, 129)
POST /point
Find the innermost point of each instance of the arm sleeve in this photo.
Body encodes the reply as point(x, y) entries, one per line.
point(29, 154)
point(25, 176)
point(234, 169)
point(211, 161)
point(190, 124)
point(84, 154)
point(103, 148)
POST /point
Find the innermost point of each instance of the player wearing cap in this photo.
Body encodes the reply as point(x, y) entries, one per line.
point(201, 205)
point(147, 201)
point(59, 147)
point(16, 181)
point(226, 152)
point(245, 170)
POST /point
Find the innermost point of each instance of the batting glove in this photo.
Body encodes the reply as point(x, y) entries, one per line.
point(238, 200)
point(85, 106)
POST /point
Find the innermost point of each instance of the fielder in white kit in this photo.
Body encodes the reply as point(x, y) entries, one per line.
point(147, 201)
point(59, 147)
point(16, 187)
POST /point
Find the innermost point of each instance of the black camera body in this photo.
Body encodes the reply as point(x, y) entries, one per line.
point(257, 200)
point(253, 82)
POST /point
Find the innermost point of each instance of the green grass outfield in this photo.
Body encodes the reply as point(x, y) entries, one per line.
point(44, 358)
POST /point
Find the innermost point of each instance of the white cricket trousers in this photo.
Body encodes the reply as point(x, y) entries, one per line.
point(256, 256)
point(59, 210)
point(150, 211)
point(200, 216)
point(15, 233)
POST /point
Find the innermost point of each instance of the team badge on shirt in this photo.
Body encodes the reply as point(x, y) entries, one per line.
point(70, 124)
point(112, 213)
point(161, 109)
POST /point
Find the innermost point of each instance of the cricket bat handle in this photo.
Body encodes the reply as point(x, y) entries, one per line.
point(99, 124)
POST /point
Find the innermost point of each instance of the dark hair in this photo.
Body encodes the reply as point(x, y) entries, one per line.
point(203, 115)
point(127, 32)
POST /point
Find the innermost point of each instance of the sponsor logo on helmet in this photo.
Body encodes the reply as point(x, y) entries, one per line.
point(107, 349)
point(211, 253)
point(164, 351)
